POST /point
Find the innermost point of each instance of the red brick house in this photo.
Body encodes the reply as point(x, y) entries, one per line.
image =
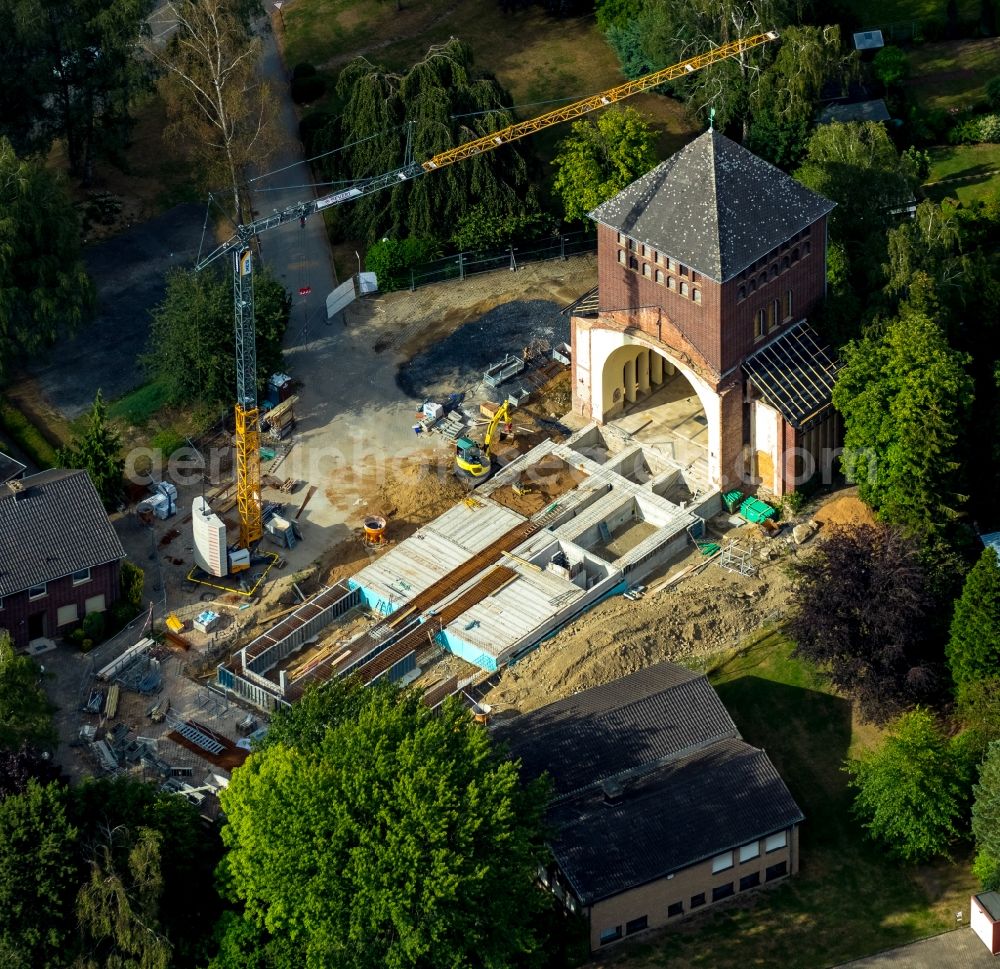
point(707, 269)
point(59, 556)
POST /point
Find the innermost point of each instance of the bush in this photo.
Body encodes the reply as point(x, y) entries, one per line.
point(392, 259)
point(975, 130)
point(86, 645)
point(26, 436)
point(76, 636)
point(167, 442)
point(93, 625)
point(307, 89)
point(993, 93)
point(131, 583)
point(989, 128)
point(303, 69)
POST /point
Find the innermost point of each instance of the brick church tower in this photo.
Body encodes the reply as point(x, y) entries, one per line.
point(695, 340)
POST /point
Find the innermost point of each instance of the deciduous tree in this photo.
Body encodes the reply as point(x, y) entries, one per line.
point(973, 649)
point(905, 394)
point(97, 449)
point(441, 102)
point(44, 289)
point(38, 875)
point(19, 767)
point(192, 342)
point(861, 614)
point(857, 166)
point(384, 835)
point(912, 789)
point(600, 157)
point(25, 711)
point(218, 101)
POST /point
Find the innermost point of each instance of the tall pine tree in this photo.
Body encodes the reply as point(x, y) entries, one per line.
point(98, 451)
point(973, 650)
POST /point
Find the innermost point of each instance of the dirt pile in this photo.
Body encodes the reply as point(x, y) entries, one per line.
point(845, 509)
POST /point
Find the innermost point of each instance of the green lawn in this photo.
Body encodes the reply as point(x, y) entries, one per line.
point(953, 74)
point(536, 57)
point(848, 900)
point(139, 406)
point(971, 167)
point(894, 11)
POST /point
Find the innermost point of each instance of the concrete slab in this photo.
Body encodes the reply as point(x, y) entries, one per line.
point(960, 949)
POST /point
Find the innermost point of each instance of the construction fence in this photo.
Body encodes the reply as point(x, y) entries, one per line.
point(464, 264)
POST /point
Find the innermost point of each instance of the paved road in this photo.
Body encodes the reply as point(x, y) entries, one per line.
point(960, 949)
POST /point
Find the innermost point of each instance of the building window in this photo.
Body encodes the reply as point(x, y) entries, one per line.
point(671, 264)
point(696, 295)
point(66, 614)
point(645, 251)
point(622, 238)
point(774, 271)
point(722, 862)
point(632, 245)
point(684, 288)
point(776, 871)
point(675, 909)
point(741, 293)
point(671, 283)
point(750, 881)
point(788, 304)
point(772, 314)
point(750, 851)
point(646, 271)
point(633, 263)
point(795, 254)
point(621, 256)
point(762, 281)
point(698, 900)
point(611, 935)
point(806, 248)
point(658, 258)
point(659, 276)
point(785, 262)
point(694, 276)
point(776, 841)
point(636, 925)
point(37, 591)
point(759, 324)
point(684, 270)
point(753, 285)
point(722, 891)
point(82, 576)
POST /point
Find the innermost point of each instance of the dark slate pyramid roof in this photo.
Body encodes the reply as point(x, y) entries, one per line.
point(713, 206)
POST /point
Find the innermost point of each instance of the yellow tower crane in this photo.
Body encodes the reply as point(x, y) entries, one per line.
point(239, 247)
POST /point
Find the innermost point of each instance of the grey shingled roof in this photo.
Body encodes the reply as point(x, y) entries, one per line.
point(55, 526)
point(674, 816)
point(650, 716)
point(713, 206)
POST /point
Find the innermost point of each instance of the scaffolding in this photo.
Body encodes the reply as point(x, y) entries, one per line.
point(736, 558)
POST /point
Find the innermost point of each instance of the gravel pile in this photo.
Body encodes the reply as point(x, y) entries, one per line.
point(457, 362)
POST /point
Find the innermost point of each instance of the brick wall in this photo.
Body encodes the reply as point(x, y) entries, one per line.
point(654, 899)
point(18, 611)
point(721, 326)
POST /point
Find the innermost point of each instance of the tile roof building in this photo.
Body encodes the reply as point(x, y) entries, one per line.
point(60, 557)
point(660, 808)
point(704, 263)
point(9, 468)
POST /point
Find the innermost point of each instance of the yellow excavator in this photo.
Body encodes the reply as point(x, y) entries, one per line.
point(474, 460)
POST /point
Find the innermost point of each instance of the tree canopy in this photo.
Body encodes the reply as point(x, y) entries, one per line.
point(973, 648)
point(25, 711)
point(192, 340)
point(372, 832)
point(857, 166)
point(600, 157)
point(97, 449)
point(905, 396)
point(44, 289)
point(912, 789)
point(70, 71)
point(986, 819)
point(862, 612)
point(439, 103)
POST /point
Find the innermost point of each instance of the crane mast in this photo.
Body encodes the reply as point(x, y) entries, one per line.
point(239, 246)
